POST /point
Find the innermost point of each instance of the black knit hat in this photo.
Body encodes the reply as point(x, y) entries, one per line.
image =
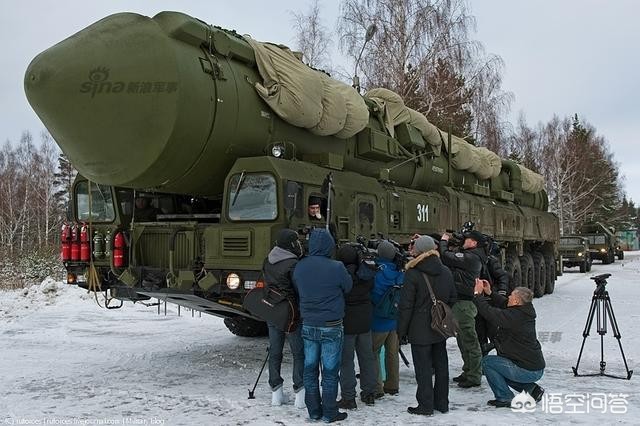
point(287, 239)
point(478, 236)
point(315, 201)
point(347, 254)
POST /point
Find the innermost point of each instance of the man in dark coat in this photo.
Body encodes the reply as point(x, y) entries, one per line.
point(466, 265)
point(519, 363)
point(322, 284)
point(499, 280)
point(357, 332)
point(278, 269)
point(428, 348)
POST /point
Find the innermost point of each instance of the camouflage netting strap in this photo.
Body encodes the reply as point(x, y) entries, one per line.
point(304, 97)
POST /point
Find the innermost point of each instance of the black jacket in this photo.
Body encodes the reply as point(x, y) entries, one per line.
point(414, 317)
point(466, 266)
point(499, 277)
point(278, 270)
point(516, 338)
point(358, 307)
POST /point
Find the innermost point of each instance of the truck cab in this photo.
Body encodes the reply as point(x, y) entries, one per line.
point(574, 250)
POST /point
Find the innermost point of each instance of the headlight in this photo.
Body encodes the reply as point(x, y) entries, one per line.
point(277, 151)
point(603, 250)
point(233, 281)
point(579, 254)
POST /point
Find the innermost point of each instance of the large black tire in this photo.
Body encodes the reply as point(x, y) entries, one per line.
point(589, 263)
point(550, 284)
point(612, 257)
point(583, 267)
point(540, 274)
point(528, 279)
point(513, 268)
point(246, 327)
point(620, 255)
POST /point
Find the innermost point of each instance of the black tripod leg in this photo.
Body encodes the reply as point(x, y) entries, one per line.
point(251, 392)
point(616, 334)
point(585, 332)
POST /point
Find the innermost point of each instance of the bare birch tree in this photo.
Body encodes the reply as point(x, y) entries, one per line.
point(312, 37)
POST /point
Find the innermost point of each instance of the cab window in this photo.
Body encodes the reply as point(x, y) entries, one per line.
point(100, 203)
point(252, 196)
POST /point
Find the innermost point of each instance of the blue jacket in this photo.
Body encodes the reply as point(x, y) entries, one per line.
point(387, 276)
point(321, 282)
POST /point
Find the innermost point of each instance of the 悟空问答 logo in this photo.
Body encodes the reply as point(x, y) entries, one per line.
point(523, 403)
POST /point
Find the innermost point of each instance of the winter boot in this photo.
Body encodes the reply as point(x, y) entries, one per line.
point(299, 403)
point(278, 397)
point(347, 404)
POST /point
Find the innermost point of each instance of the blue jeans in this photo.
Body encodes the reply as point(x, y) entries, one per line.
point(502, 373)
point(276, 344)
point(322, 345)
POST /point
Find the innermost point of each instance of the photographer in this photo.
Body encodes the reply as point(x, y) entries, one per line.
point(278, 269)
point(466, 265)
point(499, 280)
point(357, 331)
point(519, 362)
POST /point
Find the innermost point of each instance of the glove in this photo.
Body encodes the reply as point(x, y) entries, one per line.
point(404, 340)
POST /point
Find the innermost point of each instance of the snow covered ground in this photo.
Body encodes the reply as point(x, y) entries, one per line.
point(66, 361)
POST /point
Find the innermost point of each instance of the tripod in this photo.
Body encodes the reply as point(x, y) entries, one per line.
point(601, 307)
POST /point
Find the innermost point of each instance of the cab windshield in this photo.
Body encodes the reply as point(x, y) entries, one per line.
point(596, 239)
point(570, 241)
point(252, 196)
point(100, 203)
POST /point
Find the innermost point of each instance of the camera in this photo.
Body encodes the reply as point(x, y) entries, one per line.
point(457, 237)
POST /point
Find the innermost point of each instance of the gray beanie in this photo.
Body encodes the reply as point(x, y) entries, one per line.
point(386, 250)
point(423, 244)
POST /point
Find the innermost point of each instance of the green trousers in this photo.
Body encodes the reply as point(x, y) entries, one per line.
point(465, 312)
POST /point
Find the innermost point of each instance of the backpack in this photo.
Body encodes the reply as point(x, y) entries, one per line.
point(442, 320)
point(387, 306)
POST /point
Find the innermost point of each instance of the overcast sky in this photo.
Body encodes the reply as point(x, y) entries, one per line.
point(562, 56)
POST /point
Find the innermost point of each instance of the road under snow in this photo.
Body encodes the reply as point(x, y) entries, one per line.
point(63, 360)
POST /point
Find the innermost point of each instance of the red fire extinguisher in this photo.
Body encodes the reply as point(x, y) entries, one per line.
point(65, 240)
point(84, 243)
point(119, 246)
point(75, 243)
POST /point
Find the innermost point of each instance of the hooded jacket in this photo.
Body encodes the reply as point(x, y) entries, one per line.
point(321, 282)
point(278, 271)
point(386, 277)
point(358, 310)
point(414, 318)
point(466, 266)
point(516, 338)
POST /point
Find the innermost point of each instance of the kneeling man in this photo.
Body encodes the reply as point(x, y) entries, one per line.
point(519, 363)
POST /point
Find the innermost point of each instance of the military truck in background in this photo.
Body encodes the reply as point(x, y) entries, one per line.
point(190, 117)
point(574, 250)
point(603, 242)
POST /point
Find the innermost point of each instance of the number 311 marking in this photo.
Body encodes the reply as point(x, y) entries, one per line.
point(423, 212)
